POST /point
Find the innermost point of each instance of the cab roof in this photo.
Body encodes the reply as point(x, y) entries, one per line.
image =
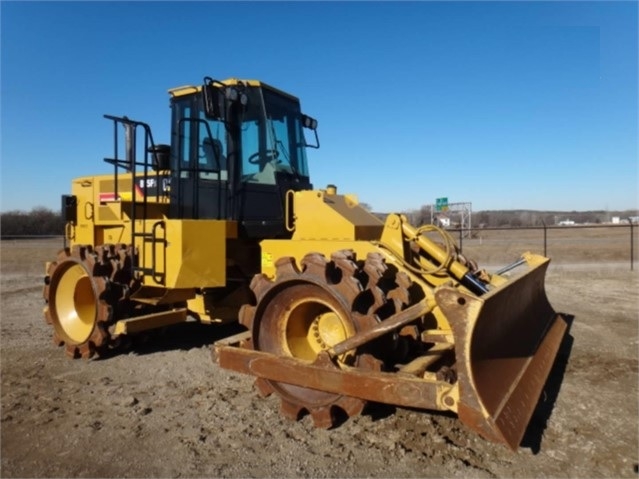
point(190, 89)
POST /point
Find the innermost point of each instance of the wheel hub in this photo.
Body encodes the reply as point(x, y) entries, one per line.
point(75, 305)
point(311, 326)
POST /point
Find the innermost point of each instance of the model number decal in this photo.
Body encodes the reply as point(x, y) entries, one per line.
point(151, 183)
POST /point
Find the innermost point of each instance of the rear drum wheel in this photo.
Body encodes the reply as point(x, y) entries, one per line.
point(81, 289)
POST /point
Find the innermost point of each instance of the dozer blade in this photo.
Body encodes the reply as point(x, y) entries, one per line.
point(506, 343)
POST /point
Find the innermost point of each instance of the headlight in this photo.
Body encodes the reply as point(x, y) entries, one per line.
point(308, 122)
point(231, 94)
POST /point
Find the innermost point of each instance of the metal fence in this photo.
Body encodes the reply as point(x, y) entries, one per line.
point(609, 243)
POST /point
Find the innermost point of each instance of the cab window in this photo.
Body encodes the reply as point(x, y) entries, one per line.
point(199, 143)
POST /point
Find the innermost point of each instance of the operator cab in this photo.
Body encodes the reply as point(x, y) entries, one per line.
point(237, 147)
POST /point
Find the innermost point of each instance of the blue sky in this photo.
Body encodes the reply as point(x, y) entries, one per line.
point(529, 105)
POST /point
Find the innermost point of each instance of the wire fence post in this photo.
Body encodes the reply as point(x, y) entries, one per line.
point(632, 246)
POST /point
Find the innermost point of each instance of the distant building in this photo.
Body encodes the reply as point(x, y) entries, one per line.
point(443, 221)
point(566, 223)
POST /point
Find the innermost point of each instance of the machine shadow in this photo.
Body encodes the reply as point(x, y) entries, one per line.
point(539, 421)
point(190, 335)
point(182, 336)
point(377, 411)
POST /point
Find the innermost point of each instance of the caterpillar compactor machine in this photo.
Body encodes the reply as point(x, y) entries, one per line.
point(339, 307)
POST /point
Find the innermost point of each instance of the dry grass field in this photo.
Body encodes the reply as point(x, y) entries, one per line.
point(566, 245)
point(164, 409)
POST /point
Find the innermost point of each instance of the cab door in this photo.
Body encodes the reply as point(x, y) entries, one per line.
point(200, 170)
point(269, 167)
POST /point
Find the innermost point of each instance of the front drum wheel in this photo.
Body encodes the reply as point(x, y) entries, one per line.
point(300, 314)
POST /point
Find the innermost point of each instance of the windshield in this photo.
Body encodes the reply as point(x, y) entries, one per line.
point(272, 138)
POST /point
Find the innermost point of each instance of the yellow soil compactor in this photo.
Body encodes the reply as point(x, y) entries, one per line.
point(339, 307)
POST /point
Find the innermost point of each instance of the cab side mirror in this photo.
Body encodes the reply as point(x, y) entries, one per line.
point(213, 97)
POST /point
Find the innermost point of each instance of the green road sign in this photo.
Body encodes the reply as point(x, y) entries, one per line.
point(441, 204)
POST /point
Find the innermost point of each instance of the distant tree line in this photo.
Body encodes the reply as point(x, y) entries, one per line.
point(42, 221)
point(518, 218)
point(38, 221)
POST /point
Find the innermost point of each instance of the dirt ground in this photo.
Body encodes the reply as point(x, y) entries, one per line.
point(165, 410)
